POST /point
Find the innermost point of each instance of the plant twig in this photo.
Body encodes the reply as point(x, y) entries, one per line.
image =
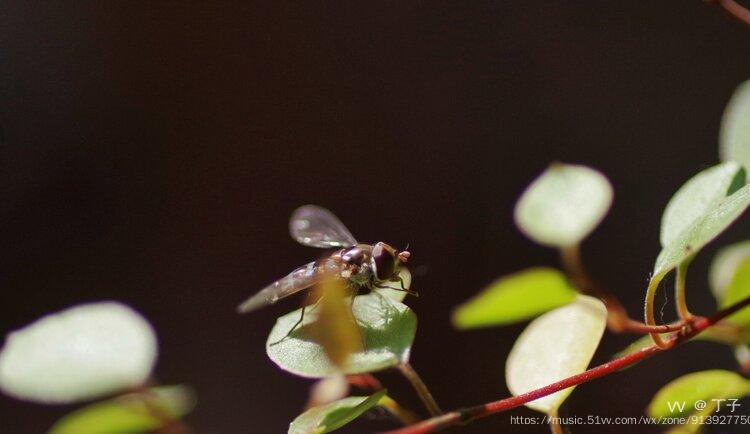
point(404, 416)
point(734, 9)
point(421, 388)
point(468, 414)
point(679, 292)
point(618, 320)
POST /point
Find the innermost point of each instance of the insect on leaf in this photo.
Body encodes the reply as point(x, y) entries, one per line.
point(387, 327)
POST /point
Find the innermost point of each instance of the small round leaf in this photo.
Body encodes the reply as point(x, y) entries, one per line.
point(555, 346)
point(387, 327)
point(734, 136)
point(131, 413)
point(563, 205)
point(680, 395)
point(80, 353)
point(330, 417)
point(697, 196)
point(515, 298)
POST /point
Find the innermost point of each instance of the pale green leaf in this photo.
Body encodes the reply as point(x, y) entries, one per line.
point(563, 205)
point(330, 417)
point(738, 290)
point(80, 353)
point(702, 231)
point(386, 325)
point(515, 298)
point(724, 265)
point(682, 393)
point(129, 414)
point(734, 137)
point(697, 196)
point(555, 346)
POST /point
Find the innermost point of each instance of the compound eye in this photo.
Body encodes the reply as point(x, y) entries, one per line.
point(383, 262)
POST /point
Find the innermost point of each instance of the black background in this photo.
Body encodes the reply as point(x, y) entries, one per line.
point(152, 154)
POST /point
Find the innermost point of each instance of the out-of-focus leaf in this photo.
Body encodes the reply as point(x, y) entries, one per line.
point(80, 353)
point(682, 393)
point(335, 329)
point(515, 298)
point(734, 137)
point(387, 326)
point(724, 265)
point(330, 417)
point(563, 205)
point(555, 346)
point(129, 414)
point(698, 196)
point(327, 390)
point(738, 290)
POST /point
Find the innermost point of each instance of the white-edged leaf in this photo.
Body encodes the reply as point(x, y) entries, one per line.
point(697, 196)
point(734, 137)
point(563, 205)
point(555, 346)
point(80, 353)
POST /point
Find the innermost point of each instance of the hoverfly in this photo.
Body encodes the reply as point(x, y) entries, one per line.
point(362, 266)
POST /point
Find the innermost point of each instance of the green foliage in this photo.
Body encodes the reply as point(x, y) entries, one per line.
point(563, 205)
point(81, 353)
point(702, 231)
point(330, 417)
point(690, 388)
point(724, 264)
point(697, 196)
point(387, 328)
point(515, 298)
point(734, 138)
point(737, 290)
point(555, 346)
point(129, 414)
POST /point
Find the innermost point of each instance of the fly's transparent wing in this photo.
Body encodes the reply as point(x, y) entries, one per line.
point(315, 226)
point(299, 279)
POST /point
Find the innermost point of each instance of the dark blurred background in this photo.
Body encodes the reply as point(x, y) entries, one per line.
point(152, 153)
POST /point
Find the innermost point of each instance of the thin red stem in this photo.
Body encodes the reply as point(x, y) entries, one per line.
point(734, 9)
point(466, 415)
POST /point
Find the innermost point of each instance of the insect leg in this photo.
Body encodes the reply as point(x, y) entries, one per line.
point(299, 321)
point(403, 288)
